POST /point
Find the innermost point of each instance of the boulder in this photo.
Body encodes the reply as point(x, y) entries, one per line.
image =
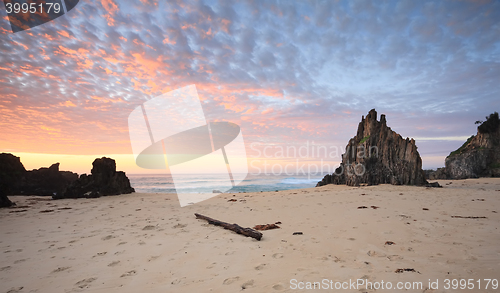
point(11, 172)
point(378, 155)
point(103, 180)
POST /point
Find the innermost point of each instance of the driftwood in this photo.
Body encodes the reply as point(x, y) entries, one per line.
point(249, 232)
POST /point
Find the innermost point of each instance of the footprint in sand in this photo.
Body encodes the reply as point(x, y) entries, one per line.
point(112, 264)
point(230, 280)
point(394, 257)
point(374, 253)
point(19, 260)
point(62, 269)
point(153, 257)
point(149, 227)
point(176, 281)
point(278, 255)
point(108, 237)
point(129, 274)
point(15, 290)
point(260, 267)
point(278, 286)
point(5, 268)
point(85, 283)
point(247, 284)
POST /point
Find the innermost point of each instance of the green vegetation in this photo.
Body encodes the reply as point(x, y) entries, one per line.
point(460, 149)
point(490, 125)
point(364, 139)
point(495, 165)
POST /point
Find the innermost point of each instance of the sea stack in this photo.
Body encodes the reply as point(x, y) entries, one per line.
point(378, 155)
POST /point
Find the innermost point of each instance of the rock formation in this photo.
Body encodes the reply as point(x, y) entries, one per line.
point(378, 155)
point(11, 172)
point(479, 156)
point(104, 180)
point(45, 181)
point(15, 180)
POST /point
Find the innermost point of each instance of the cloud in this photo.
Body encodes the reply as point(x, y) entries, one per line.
point(285, 70)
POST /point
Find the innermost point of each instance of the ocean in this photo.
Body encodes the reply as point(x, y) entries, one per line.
point(203, 183)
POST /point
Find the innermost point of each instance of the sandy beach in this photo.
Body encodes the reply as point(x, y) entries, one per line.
point(147, 243)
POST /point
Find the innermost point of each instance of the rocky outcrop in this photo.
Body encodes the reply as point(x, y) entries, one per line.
point(440, 173)
point(479, 156)
point(45, 181)
point(15, 180)
point(378, 155)
point(104, 180)
point(11, 172)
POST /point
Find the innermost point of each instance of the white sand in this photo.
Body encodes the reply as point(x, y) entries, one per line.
point(147, 243)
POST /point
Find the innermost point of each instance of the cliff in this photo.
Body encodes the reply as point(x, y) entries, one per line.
point(479, 156)
point(378, 155)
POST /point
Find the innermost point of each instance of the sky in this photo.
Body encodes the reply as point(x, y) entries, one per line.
point(290, 73)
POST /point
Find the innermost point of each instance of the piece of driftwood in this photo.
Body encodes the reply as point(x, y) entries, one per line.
point(249, 232)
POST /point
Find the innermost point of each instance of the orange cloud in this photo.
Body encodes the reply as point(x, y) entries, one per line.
point(63, 33)
point(168, 41)
point(68, 104)
point(150, 2)
point(111, 8)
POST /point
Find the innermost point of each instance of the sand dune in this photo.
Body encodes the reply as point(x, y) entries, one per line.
point(147, 243)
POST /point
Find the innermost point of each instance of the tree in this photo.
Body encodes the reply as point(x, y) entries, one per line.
point(490, 125)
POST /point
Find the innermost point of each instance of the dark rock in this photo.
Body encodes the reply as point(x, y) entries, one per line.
point(11, 172)
point(104, 180)
point(378, 155)
point(5, 201)
point(440, 173)
point(479, 156)
point(45, 181)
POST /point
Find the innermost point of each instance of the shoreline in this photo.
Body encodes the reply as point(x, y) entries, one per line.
point(148, 242)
